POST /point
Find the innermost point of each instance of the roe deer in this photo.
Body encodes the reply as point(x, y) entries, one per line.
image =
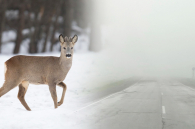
point(22, 70)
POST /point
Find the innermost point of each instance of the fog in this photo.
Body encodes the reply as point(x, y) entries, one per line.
point(148, 38)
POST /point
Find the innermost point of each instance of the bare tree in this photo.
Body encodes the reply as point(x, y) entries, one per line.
point(55, 24)
point(2, 21)
point(48, 20)
point(68, 16)
point(35, 36)
point(20, 27)
point(41, 18)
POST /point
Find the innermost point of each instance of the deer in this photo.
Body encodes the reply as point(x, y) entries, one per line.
point(23, 70)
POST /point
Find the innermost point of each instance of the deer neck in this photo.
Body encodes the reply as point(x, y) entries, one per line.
point(65, 62)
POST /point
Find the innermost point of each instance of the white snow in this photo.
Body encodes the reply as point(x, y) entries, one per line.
point(8, 36)
point(79, 81)
point(86, 75)
point(8, 48)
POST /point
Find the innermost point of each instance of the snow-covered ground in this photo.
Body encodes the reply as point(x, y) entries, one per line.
point(89, 72)
point(43, 115)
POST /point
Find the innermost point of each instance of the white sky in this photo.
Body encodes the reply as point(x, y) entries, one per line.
point(155, 36)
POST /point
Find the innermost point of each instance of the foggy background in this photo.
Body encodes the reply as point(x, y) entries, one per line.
point(118, 40)
point(149, 38)
point(130, 38)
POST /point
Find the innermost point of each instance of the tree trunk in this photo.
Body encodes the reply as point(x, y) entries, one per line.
point(47, 33)
point(68, 17)
point(53, 33)
point(35, 36)
point(20, 28)
point(55, 25)
point(2, 22)
point(32, 47)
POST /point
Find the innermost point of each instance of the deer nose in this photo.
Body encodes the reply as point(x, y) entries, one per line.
point(68, 55)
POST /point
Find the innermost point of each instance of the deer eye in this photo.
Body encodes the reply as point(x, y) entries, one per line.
point(71, 47)
point(64, 48)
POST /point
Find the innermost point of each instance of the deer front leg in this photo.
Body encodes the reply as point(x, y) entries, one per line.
point(63, 85)
point(52, 89)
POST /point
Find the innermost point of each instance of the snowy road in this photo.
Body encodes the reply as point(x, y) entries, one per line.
point(148, 104)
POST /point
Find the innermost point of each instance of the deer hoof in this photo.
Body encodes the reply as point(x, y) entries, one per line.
point(59, 103)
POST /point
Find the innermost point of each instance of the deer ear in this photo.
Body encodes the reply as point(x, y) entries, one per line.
point(74, 39)
point(66, 39)
point(61, 38)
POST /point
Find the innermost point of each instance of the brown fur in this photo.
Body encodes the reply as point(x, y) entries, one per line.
point(22, 70)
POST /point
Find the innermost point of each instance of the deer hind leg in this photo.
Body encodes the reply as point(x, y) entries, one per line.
point(63, 85)
point(22, 91)
point(7, 86)
point(52, 89)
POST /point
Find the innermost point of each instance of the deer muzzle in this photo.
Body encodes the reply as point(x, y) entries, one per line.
point(68, 55)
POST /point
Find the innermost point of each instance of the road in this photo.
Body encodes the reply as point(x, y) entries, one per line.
point(147, 104)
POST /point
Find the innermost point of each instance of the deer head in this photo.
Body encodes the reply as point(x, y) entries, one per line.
point(67, 45)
